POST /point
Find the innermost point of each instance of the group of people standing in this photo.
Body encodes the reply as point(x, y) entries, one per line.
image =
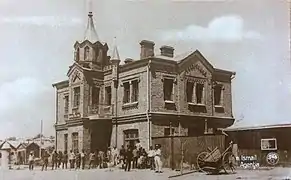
point(59, 159)
point(134, 157)
point(137, 157)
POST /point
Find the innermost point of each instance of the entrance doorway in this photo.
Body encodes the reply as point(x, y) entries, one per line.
point(100, 135)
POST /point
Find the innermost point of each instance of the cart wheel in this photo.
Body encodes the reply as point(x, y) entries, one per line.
point(200, 161)
point(228, 162)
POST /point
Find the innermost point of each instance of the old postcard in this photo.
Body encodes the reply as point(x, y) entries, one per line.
point(148, 89)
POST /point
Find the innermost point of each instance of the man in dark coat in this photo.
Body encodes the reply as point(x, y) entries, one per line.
point(78, 160)
point(65, 160)
point(128, 158)
point(122, 156)
point(83, 158)
point(54, 160)
point(60, 157)
point(45, 160)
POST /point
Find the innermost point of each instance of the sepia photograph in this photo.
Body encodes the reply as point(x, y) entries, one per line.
point(145, 89)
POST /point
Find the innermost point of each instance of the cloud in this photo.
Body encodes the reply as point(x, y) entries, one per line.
point(18, 93)
point(221, 29)
point(23, 104)
point(53, 21)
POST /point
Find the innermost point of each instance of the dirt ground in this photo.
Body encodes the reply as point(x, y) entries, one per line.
point(117, 174)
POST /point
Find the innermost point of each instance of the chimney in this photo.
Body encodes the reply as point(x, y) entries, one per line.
point(128, 60)
point(146, 49)
point(167, 51)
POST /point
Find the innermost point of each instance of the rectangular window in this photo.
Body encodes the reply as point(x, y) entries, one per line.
point(217, 95)
point(199, 90)
point(108, 95)
point(75, 141)
point(135, 91)
point(76, 96)
point(189, 91)
point(168, 89)
point(66, 104)
point(269, 144)
point(126, 92)
point(66, 142)
point(95, 95)
point(167, 131)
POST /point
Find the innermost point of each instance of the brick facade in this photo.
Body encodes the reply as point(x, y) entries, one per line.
point(149, 114)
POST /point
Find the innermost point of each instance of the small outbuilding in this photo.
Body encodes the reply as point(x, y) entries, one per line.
point(259, 141)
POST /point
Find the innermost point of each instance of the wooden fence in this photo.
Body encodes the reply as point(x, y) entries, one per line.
point(172, 148)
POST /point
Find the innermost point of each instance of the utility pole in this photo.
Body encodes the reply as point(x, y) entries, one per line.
point(41, 129)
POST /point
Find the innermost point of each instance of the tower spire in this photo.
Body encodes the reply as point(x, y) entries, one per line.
point(90, 33)
point(115, 54)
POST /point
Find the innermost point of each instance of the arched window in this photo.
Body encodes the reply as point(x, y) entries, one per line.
point(77, 54)
point(86, 53)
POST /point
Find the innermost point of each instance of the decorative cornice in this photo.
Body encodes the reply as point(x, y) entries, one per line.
point(87, 42)
point(60, 127)
point(143, 119)
point(61, 84)
point(75, 122)
point(155, 114)
point(130, 117)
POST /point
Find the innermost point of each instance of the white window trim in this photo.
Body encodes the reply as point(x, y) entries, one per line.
point(131, 90)
point(194, 98)
point(221, 103)
point(268, 139)
point(174, 79)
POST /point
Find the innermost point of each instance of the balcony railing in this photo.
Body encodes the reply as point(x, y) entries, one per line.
point(101, 110)
point(75, 113)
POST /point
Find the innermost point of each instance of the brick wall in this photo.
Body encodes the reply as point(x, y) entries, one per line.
point(72, 85)
point(158, 129)
point(141, 74)
point(179, 88)
point(60, 140)
point(86, 139)
point(61, 105)
point(79, 130)
point(142, 129)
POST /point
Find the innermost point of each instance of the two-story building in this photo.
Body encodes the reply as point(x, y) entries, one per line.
point(108, 103)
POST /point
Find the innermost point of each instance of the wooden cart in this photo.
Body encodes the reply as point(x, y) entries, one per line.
point(214, 161)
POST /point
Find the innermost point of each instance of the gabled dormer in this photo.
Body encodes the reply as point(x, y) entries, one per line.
point(91, 53)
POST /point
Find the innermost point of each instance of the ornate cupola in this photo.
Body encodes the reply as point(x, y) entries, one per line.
point(91, 53)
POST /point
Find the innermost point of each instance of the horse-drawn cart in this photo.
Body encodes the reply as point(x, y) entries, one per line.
point(214, 161)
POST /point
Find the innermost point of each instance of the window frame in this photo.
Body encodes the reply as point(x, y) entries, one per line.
point(108, 95)
point(75, 141)
point(126, 92)
point(77, 55)
point(66, 104)
point(165, 79)
point(269, 149)
point(197, 84)
point(167, 129)
point(135, 91)
point(77, 96)
point(221, 88)
point(95, 102)
point(188, 98)
point(86, 53)
point(128, 132)
point(66, 142)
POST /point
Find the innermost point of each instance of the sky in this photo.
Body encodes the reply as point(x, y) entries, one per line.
point(245, 36)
